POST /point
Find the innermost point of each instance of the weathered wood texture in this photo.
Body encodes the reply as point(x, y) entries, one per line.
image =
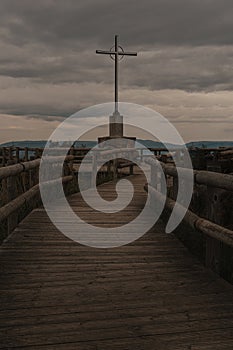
point(205, 226)
point(151, 294)
point(208, 178)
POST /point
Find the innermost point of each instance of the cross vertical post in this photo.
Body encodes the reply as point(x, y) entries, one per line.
point(116, 73)
point(116, 53)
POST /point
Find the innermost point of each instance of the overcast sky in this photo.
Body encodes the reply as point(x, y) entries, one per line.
point(49, 69)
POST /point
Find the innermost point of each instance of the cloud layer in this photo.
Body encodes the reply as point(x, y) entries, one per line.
point(49, 69)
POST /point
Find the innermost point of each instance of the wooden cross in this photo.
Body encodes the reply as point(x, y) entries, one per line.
point(116, 53)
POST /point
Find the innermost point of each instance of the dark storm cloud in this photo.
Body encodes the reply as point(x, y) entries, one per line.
point(49, 45)
point(205, 68)
point(147, 22)
point(55, 41)
point(49, 118)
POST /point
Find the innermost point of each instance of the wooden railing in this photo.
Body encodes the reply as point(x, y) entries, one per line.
point(19, 180)
point(215, 232)
point(20, 189)
point(20, 154)
point(12, 155)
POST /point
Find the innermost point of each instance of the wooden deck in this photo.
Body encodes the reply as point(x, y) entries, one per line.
point(151, 294)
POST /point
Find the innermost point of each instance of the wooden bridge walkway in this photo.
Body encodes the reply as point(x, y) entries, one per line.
point(151, 294)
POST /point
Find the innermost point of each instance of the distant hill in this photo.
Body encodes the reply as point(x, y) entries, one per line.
point(42, 143)
point(146, 143)
point(156, 144)
point(85, 144)
point(29, 144)
point(198, 144)
point(210, 144)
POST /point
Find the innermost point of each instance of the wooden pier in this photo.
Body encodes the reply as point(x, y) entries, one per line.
point(151, 294)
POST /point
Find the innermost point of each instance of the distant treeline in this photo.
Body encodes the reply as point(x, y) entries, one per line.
point(146, 143)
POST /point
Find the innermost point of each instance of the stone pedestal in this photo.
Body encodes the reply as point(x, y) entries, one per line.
point(116, 125)
point(116, 133)
point(119, 142)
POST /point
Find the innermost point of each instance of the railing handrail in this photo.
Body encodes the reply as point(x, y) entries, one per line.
point(16, 200)
point(15, 169)
point(201, 224)
point(204, 225)
point(14, 197)
point(16, 203)
point(201, 177)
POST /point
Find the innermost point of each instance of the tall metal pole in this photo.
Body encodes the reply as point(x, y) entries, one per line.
point(116, 73)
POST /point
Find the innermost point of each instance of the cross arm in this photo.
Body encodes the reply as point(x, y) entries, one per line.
point(121, 53)
point(102, 52)
point(128, 53)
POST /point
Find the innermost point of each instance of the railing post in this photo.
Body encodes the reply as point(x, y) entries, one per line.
point(37, 153)
point(10, 153)
point(71, 163)
point(12, 220)
point(114, 167)
point(17, 155)
point(131, 169)
point(26, 154)
point(4, 156)
point(154, 176)
point(94, 169)
point(175, 187)
point(141, 154)
point(109, 167)
point(213, 246)
point(30, 180)
point(213, 254)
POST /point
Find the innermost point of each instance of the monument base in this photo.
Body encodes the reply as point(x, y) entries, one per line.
point(121, 142)
point(116, 125)
point(116, 134)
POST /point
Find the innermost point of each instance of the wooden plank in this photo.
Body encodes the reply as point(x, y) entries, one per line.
point(151, 294)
